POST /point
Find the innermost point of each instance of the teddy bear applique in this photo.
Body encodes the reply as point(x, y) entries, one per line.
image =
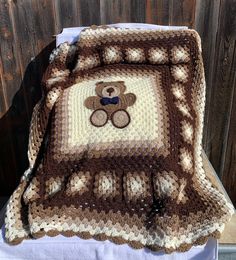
point(110, 104)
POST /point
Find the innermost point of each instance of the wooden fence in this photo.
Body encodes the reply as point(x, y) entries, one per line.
point(26, 29)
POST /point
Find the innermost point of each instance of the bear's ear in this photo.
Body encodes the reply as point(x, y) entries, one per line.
point(99, 88)
point(121, 86)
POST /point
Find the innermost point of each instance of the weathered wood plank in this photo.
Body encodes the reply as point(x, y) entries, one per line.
point(206, 23)
point(157, 12)
point(45, 25)
point(228, 159)
point(89, 12)
point(10, 77)
point(115, 11)
point(222, 89)
point(25, 23)
point(10, 71)
point(216, 24)
point(137, 9)
point(174, 12)
point(229, 166)
point(66, 14)
point(182, 12)
point(34, 32)
point(31, 34)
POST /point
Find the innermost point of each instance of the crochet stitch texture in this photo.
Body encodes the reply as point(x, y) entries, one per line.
point(142, 183)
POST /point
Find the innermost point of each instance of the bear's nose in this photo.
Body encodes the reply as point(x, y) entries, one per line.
point(110, 90)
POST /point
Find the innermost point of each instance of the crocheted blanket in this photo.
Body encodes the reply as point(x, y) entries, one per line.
point(115, 145)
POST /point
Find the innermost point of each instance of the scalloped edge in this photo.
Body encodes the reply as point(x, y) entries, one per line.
point(118, 240)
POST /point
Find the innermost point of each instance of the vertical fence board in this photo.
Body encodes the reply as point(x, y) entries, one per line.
point(29, 36)
point(10, 76)
point(222, 89)
point(115, 11)
point(137, 9)
point(215, 22)
point(157, 12)
point(182, 12)
point(228, 158)
point(10, 72)
point(206, 23)
point(25, 26)
point(229, 169)
point(163, 12)
point(89, 11)
point(44, 23)
point(67, 13)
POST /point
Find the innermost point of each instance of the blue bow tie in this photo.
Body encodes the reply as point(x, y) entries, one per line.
point(106, 101)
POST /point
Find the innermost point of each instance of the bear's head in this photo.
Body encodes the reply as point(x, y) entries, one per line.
point(110, 89)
